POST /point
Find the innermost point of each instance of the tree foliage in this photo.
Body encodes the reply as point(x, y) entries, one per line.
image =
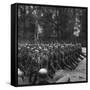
point(46, 23)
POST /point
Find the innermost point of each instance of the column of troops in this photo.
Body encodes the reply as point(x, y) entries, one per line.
point(52, 57)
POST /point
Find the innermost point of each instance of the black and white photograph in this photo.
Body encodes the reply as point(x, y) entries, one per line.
point(51, 44)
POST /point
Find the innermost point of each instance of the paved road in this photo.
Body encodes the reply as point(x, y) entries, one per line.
point(79, 74)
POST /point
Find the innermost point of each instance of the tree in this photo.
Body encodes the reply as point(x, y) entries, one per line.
point(45, 23)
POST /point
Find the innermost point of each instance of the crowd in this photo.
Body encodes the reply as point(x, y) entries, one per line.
point(51, 56)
